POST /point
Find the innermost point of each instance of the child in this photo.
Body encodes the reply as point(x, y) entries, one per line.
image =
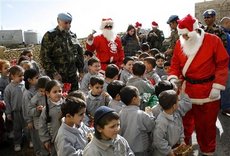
point(169, 131)
point(135, 123)
point(150, 72)
point(143, 56)
point(96, 96)
point(114, 89)
point(50, 119)
point(160, 59)
point(152, 52)
point(145, 47)
point(126, 73)
point(106, 140)
point(4, 81)
point(166, 70)
point(94, 66)
point(30, 78)
point(25, 64)
point(73, 134)
point(87, 56)
point(111, 73)
point(36, 105)
point(13, 99)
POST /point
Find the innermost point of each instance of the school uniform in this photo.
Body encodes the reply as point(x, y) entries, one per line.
point(70, 141)
point(135, 126)
point(116, 105)
point(125, 75)
point(115, 147)
point(153, 77)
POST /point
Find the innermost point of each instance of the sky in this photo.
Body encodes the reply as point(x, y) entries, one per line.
point(41, 15)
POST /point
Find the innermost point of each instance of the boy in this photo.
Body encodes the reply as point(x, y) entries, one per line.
point(114, 89)
point(96, 96)
point(150, 73)
point(87, 56)
point(169, 131)
point(126, 73)
point(111, 73)
point(160, 59)
point(166, 69)
point(135, 123)
point(94, 66)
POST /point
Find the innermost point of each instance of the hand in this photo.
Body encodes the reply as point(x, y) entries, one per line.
point(81, 75)
point(30, 125)
point(90, 37)
point(171, 153)
point(9, 117)
point(215, 93)
point(89, 137)
point(105, 94)
point(47, 146)
point(39, 108)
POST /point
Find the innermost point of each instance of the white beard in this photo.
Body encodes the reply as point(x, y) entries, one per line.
point(192, 45)
point(109, 35)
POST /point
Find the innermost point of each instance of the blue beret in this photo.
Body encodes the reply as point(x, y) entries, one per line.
point(209, 12)
point(65, 16)
point(100, 112)
point(172, 18)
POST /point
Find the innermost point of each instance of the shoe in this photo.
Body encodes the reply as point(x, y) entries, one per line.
point(226, 112)
point(31, 144)
point(17, 147)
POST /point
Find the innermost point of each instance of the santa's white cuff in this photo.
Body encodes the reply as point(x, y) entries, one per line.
point(172, 77)
point(218, 86)
point(89, 42)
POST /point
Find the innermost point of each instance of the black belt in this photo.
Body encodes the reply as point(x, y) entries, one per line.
point(114, 62)
point(192, 81)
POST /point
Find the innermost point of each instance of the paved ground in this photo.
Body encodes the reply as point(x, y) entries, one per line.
point(223, 142)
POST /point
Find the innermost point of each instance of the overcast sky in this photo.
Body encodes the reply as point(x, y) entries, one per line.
point(41, 15)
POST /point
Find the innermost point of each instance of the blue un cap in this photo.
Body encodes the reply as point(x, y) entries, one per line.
point(209, 13)
point(172, 18)
point(65, 17)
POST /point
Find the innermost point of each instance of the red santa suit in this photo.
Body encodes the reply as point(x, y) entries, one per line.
point(107, 51)
point(204, 70)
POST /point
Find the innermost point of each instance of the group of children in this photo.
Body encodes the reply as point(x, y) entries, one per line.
point(106, 116)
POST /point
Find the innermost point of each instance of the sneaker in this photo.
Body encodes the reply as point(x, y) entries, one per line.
point(17, 147)
point(31, 144)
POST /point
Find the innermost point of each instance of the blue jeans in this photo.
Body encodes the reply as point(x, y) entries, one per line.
point(225, 95)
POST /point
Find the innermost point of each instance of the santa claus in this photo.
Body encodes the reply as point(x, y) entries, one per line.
point(107, 46)
point(201, 61)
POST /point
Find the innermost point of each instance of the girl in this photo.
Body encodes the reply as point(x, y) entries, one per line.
point(13, 99)
point(30, 78)
point(73, 134)
point(4, 81)
point(106, 140)
point(50, 119)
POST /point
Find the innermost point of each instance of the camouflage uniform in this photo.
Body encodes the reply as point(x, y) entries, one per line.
point(61, 53)
point(155, 41)
point(217, 30)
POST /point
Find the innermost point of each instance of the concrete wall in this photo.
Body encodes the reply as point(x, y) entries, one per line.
point(222, 8)
point(11, 37)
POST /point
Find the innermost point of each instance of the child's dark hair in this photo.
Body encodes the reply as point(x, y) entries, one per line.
point(145, 47)
point(48, 88)
point(160, 56)
point(16, 70)
point(162, 86)
point(88, 53)
point(115, 87)
point(167, 63)
point(111, 71)
point(151, 60)
point(29, 74)
point(23, 58)
point(26, 51)
point(104, 121)
point(72, 105)
point(143, 55)
point(167, 99)
point(93, 60)
point(153, 51)
point(138, 68)
point(128, 93)
point(96, 80)
point(127, 59)
point(77, 94)
point(42, 81)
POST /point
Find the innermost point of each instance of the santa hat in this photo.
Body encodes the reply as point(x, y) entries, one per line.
point(187, 25)
point(106, 22)
point(138, 25)
point(154, 24)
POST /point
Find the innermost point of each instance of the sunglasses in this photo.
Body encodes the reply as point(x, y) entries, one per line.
point(108, 26)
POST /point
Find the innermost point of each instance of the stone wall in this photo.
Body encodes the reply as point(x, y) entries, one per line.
point(222, 8)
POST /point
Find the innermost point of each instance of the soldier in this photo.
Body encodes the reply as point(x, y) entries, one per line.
point(172, 21)
point(155, 37)
point(211, 27)
point(61, 53)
